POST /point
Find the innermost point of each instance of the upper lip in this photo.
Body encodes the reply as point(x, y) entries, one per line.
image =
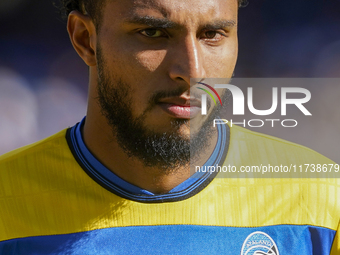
point(181, 101)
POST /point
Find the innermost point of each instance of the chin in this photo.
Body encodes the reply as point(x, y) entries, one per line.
point(180, 130)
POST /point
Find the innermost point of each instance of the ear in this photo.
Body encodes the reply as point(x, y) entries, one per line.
point(83, 36)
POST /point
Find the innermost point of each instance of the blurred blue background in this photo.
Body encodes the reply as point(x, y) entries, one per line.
point(43, 83)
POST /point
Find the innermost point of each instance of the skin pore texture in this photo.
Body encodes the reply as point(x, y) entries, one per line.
point(141, 61)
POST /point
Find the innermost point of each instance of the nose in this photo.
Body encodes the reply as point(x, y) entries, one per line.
point(187, 60)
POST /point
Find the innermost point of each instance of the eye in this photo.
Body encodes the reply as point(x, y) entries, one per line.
point(210, 34)
point(213, 35)
point(152, 32)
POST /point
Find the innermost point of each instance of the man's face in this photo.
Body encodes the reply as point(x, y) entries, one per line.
point(148, 50)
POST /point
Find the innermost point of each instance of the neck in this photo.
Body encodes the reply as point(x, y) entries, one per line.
point(111, 155)
point(100, 141)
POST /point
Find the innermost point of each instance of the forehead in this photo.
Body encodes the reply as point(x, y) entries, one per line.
point(180, 11)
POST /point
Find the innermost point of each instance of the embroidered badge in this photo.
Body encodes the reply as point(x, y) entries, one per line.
point(259, 243)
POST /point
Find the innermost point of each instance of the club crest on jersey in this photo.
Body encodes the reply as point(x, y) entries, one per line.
point(259, 243)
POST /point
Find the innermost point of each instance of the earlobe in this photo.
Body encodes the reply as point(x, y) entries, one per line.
point(82, 33)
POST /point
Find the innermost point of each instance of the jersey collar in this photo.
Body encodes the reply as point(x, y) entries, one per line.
point(110, 181)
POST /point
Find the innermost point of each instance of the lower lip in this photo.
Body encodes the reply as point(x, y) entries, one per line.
point(179, 111)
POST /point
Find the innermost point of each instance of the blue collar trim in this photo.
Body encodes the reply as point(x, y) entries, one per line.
point(111, 181)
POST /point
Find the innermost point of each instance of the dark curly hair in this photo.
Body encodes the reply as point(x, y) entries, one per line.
point(93, 8)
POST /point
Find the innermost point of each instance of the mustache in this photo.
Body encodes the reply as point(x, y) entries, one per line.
point(159, 95)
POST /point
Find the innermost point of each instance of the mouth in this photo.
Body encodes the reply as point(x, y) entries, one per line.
point(181, 107)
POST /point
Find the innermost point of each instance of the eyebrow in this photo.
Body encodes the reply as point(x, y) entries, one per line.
point(218, 24)
point(152, 22)
point(166, 23)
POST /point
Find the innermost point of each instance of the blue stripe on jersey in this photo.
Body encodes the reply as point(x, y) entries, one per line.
point(177, 239)
point(111, 181)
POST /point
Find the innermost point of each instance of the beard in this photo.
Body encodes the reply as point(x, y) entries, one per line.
point(168, 150)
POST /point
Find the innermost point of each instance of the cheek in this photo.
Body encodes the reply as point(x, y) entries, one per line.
point(127, 57)
point(221, 67)
point(146, 70)
point(141, 71)
point(230, 62)
point(150, 61)
point(221, 63)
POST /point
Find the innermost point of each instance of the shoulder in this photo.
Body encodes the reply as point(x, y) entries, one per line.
point(256, 148)
point(278, 181)
point(35, 150)
point(258, 155)
point(40, 162)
